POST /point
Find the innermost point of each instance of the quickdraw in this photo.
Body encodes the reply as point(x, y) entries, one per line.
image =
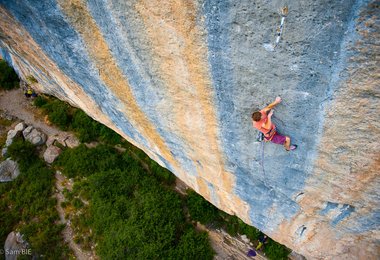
point(284, 14)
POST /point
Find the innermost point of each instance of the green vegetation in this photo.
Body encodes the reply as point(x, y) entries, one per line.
point(201, 210)
point(122, 193)
point(73, 119)
point(8, 77)
point(4, 124)
point(40, 101)
point(90, 130)
point(276, 251)
point(58, 112)
point(82, 161)
point(27, 204)
point(131, 214)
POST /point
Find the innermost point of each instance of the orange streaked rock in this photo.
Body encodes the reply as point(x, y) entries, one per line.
point(39, 65)
point(111, 75)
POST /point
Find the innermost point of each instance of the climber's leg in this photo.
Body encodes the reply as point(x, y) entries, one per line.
point(287, 145)
point(283, 140)
point(278, 139)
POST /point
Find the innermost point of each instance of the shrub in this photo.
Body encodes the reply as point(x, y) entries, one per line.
point(162, 174)
point(64, 204)
point(77, 203)
point(251, 232)
point(5, 122)
point(24, 152)
point(84, 126)
point(8, 77)
point(131, 215)
point(192, 245)
point(276, 251)
point(40, 101)
point(66, 117)
point(58, 113)
point(83, 161)
point(108, 135)
point(200, 209)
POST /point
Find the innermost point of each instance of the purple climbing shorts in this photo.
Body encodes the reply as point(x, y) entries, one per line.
point(278, 139)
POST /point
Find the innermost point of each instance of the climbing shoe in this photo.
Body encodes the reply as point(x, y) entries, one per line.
point(292, 147)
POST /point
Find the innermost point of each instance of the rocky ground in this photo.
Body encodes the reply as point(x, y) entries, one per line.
point(14, 105)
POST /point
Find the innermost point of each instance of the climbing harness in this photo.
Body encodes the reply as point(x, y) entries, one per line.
point(284, 13)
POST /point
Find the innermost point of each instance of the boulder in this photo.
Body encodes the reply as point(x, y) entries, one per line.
point(8, 170)
point(36, 137)
point(20, 126)
point(16, 246)
point(50, 140)
point(12, 134)
point(72, 142)
point(4, 152)
point(58, 138)
point(27, 131)
point(245, 239)
point(51, 153)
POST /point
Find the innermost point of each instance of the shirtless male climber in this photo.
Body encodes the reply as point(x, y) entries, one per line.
point(262, 120)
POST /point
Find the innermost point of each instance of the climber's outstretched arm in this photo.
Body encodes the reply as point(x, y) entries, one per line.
point(272, 105)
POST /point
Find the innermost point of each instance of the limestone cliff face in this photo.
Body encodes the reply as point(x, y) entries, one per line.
point(180, 79)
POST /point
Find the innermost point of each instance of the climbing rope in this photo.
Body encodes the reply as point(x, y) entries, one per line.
point(271, 189)
point(262, 158)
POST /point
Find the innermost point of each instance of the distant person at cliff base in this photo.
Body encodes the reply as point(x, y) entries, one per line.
point(28, 92)
point(262, 120)
point(262, 240)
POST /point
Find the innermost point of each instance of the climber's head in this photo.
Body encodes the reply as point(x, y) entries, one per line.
point(256, 116)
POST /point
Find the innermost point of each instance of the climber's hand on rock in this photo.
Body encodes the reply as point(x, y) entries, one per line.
point(271, 112)
point(278, 100)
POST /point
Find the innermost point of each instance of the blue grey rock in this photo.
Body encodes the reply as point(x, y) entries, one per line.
point(12, 134)
point(34, 136)
point(15, 246)
point(8, 170)
point(20, 127)
point(27, 131)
